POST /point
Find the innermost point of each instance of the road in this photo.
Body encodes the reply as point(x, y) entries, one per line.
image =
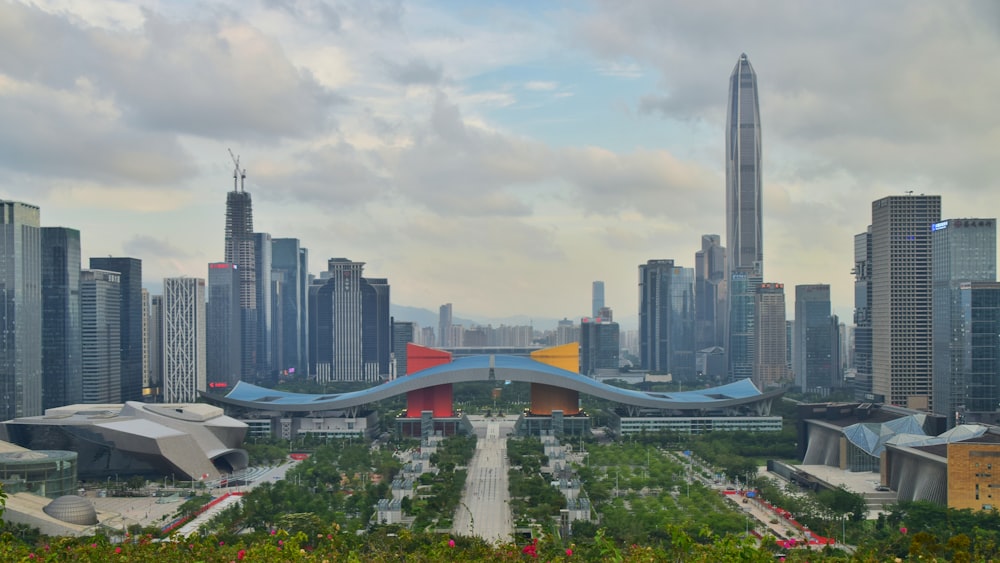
point(485, 507)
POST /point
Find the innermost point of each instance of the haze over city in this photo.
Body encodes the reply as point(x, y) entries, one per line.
point(496, 156)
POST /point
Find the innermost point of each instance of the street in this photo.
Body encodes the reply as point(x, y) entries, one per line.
point(485, 507)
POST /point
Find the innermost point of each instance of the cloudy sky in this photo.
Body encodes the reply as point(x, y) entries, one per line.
point(499, 156)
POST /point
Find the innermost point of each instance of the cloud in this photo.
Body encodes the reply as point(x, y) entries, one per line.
point(542, 86)
point(77, 133)
point(414, 71)
point(218, 78)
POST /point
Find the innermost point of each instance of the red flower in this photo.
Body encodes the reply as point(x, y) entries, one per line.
point(118, 550)
point(241, 554)
point(530, 549)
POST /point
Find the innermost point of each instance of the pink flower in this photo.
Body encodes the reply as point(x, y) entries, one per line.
point(241, 554)
point(222, 543)
point(902, 531)
point(451, 543)
point(569, 552)
point(281, 542)
point(118, 550)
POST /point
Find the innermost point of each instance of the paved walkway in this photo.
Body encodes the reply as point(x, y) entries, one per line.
point(485, 507)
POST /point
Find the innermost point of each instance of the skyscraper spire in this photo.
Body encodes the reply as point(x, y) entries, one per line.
point(744, 232)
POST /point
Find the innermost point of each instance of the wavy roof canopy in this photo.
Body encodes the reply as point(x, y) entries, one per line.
point(872, 437)
point(502, 368)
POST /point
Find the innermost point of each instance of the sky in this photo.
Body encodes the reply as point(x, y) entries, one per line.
point(497, 156)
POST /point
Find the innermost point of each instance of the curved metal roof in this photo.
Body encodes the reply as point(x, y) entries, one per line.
point(499, 368)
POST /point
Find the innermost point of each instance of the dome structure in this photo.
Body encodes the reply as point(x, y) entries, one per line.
point(72, 510)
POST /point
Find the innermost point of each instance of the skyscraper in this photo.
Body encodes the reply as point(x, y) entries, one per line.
point(130, 272)
point(596, 299)
point(744, 226)
point(710, 293)
point(20, 310)
point(183, 339)
point(155, 347)
point(223, 331)
point(241, 251)
point(979, 399)
point(376, 328)
point(816, 337)
point(145, 342)
point(599, 345)
point(100, 322)
point(771, 356)
point(744, 231)
point(962, 250)
point(666, 318)
point(286, 261)
point(402, 334)
point(61, 344)
point(263, 263)
point(742, 327)
point(444, 325)
point(863, 316)
point(901, 298)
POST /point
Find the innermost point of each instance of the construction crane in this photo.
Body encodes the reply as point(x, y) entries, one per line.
point(237, 172)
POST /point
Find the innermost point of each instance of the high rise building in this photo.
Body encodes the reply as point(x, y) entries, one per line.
point(444, 326)
point(61, 344)
point(742, 325)
point(816, 339)
point(304, 282)
point(599, 346)
point(155, 347)
point(376, 337)
point(184, 358)
point(567, 331)
point(962, 250)
point(862, 358)
point(145, 342)
point(241, 251)
point(666, 319)
point(100, 322)
point(130, 271)
point(21, 310)
point(744, 227)
point(402, 334)
point(744, 212)
point(979, 401)
point(286, 261)
point(264, 289)
point(223, 330)
point(350, 328)
point(596, 299)
point(771, 356)
point(710, 293)
point(901, 299)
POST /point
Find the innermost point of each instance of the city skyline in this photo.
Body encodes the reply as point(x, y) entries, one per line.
point(591, 134)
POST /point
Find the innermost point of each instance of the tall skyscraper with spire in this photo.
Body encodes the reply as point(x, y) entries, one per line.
point(744, 232)
point(744, 227)
point(241, 250)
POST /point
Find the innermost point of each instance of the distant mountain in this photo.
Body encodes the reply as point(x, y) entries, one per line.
point(426, 317)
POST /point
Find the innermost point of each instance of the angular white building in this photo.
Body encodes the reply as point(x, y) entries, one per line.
point(184, 344)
